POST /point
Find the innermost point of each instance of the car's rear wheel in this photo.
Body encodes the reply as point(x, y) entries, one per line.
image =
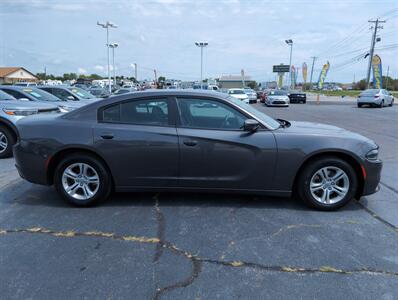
point(7, 140)
point(82, 180)
point(327, 183)
point(359, 105)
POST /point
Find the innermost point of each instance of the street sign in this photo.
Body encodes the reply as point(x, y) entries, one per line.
point(281, 69)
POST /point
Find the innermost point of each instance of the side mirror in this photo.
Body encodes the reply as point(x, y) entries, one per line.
point(251, 125)
point(70, 98)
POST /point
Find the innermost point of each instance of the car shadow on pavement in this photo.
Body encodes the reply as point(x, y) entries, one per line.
point(37, 195)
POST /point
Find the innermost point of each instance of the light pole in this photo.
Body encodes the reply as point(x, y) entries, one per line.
point(107, 25)
point(290, 43)
point(201, 45)
point(113, 46)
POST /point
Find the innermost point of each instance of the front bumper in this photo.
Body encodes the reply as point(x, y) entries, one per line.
point(373, 174)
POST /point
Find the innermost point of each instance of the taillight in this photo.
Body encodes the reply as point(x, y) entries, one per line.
point(376, 96)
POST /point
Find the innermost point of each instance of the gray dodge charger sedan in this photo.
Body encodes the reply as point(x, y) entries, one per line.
point(193, 141)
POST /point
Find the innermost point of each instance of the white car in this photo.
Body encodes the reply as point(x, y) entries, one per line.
point(277, 98)
point(239, 94)
point(251, 94)
point(375, 97)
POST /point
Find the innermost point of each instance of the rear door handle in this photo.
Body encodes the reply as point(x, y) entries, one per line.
point(190, 143)
point(107, 136)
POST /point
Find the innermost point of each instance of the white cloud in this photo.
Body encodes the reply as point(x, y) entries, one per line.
point(81, 71)
point(99, 68)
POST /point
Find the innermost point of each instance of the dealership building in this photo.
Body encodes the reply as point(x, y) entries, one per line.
point(16, 74)
point(232, 81)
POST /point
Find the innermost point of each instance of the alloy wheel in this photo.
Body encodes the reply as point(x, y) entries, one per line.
point(329, 185)
point(80, 181)
point(3, 142)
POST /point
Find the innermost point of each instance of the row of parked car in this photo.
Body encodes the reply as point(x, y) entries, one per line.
point(35, 100)
point(269, 97)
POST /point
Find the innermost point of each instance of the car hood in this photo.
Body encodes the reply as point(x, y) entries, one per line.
point(324, 130)
point(18, 104)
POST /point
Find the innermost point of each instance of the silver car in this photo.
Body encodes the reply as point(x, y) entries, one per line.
point(251, 94)
point(277, 98)
point(375, 97)
point(12, 110)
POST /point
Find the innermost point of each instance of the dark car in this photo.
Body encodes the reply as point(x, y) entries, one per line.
point(193, 141)
point(297, 97)
point(69, 93)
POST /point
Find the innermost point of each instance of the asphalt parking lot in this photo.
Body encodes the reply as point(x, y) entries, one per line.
point(212, 246)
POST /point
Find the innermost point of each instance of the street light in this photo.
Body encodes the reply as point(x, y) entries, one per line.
point(107, 25)
point(290, 43)
point(113, 46)
point(201, 45)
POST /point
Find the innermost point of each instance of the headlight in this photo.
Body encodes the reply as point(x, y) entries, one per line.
point(64, 109)
point(372, 154)
point(20, 112)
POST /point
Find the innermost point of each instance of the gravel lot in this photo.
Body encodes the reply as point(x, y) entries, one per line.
point(194, 246)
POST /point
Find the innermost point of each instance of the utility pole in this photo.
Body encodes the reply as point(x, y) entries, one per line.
point(156, 78)
point(290, 43)
point(388, 70)
point(201, 45)
point(106, 26)
point(135, 72)
point(312, 69)
point(45, 73)
point(372, 47)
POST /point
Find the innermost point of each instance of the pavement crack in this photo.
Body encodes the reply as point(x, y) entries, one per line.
point(389, 187)
point(377, 217)
point(196, 269)
point(161, 221)
point(197, 261)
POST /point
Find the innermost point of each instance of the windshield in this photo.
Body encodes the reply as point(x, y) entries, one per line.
point(40, 94)
point(262, 116)
point(236, 92)
point(249, 91)
point(5, 96)
point(278, 93)
point(81, 93)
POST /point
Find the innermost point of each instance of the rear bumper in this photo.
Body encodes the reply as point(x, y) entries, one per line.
point(297, 99)
point(30, 165)
point(373, 174)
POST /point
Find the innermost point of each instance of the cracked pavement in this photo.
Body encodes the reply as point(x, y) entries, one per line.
point(205, 246)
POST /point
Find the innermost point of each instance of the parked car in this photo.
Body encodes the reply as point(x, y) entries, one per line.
point(98, 92)
point(375, 97)
point(277, 98)
point(251, 94)
point(297, 97)
point(70, 93)
point(125, 90)
point(11, 111)
point(36, 94)
point(261, 95)
point(23, 83)
point(175, 140)
point(239, 94)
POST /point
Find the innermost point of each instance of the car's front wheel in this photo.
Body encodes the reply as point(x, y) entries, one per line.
point(327, 183)
point(7, 140)
point(82, 180)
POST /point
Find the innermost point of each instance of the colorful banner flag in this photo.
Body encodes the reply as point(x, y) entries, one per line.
point(305, 72)
point(377, 72)
point(323, 74)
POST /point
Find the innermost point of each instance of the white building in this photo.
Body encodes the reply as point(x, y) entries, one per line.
point(16, 74)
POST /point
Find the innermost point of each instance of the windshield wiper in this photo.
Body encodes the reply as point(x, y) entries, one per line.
point(284, 123)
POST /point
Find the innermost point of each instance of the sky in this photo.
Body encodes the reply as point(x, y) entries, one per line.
point(62, 36)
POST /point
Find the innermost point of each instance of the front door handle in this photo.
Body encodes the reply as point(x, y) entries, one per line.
point(107, 136)
point(190, 143)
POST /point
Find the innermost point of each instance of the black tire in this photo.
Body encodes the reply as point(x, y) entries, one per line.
point(10, 141)
point(381, 104)
point(359, 105)
point(303, 182)
point(392, 103)
point(105, 181)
